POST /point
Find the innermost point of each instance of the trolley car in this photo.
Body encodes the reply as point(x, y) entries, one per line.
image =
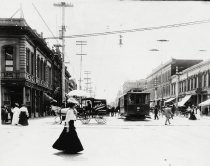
point(134, 105)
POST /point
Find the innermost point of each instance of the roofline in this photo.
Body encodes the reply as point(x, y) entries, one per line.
point(196, 66)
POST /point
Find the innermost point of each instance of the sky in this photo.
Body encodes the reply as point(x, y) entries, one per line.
point(109, 63)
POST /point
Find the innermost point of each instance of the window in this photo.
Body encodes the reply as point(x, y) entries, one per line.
point(41, 69)
point(209, 78)
point(38, 67)
point(50, 76)
point(204, 80)
point(196, 82)
point(45, 71)
point(27, 60)
point(9, 54)
point(191, 83)
point(32, 64)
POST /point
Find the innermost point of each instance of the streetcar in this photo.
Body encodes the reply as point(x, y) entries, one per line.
point(134, 105)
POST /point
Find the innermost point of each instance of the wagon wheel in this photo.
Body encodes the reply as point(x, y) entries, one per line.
point(100, 120)
point(85, 120)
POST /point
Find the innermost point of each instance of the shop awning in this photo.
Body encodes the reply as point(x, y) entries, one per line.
point(170, 99)
point(184, 100)
point(48, 98)
point(205, 103)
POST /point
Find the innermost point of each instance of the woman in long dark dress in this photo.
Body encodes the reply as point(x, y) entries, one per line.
point(23, 117)
point(68, 140)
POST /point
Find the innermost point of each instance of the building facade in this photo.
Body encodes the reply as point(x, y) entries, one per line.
point(30, 70)
point(158, 83)
point(194, 83)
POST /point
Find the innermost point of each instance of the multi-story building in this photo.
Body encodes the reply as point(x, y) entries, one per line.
point(159, 81)
point(192, 85)
point(30, 70)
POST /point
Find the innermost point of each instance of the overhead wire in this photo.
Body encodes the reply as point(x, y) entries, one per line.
point(137, 29)
point(45, 24)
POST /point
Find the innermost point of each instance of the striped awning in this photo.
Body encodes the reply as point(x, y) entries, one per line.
point(170, 99)
point(205, 103)
point(184, 100)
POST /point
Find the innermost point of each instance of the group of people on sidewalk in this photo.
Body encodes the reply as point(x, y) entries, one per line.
point(17, 115)
point(169, 111)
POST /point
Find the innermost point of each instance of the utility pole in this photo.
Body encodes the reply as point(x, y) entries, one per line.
point(63, 5)
point(177, 86)
point(81, 44)
point(155, 85)
point(88, 82)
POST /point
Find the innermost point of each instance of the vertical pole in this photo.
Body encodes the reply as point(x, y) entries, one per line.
point(63, 29)
point(155, 91)
point(24, 95)
point(63, 53)
point(81, 44)
point(177, 88)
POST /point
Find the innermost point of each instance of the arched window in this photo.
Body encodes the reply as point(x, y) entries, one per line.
point(8, 52)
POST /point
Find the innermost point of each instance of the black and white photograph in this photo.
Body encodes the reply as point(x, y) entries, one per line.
point(104, 83)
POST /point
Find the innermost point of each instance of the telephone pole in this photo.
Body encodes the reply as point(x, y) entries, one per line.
point(81, 44)
point(88, 82)
point(63, 5)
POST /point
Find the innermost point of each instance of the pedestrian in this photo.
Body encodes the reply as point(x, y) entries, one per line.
point(112, 111)
point(68, 140)
point(198, 113)
point(16, 114)
point(24, 115)
point(4, 114)
point(156, 112)
point(192, 114)
point(188, 111)
point(168, 114)
point(89, 108)
point(173, 109)
point(10, 114)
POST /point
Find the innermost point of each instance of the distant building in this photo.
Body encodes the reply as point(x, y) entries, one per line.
point(139, 84)
point(192, 85)
point(159, 81)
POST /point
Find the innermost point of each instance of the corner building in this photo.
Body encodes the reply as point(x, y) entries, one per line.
point(26, 66)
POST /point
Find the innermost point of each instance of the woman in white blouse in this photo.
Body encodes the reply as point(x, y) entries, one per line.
point(16, 114)
point(68, 140)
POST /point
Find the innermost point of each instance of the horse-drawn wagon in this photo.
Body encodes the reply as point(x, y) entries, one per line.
point(89, 108)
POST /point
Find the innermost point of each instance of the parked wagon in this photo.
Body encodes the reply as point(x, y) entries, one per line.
point(92, 108)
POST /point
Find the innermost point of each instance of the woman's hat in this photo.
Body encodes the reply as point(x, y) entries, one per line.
point(72, 100)
point(16, 104)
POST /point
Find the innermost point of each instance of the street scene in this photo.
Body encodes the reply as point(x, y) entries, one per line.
point(118, 142)
point(104, 82)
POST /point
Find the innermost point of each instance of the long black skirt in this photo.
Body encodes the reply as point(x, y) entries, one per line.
point(68, 141)
point(23, 119)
